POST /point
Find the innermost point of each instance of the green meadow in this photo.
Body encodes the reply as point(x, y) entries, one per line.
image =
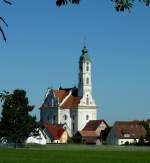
point(80, 154)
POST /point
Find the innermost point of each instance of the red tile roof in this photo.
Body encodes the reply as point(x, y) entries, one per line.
point(55, 130)
point(92, 125)
point(71, 102)
point(129, 129)
point(88, 133)
point(61, 94)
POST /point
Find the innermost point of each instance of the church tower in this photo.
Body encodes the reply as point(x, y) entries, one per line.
point(85, 85)
point(72, 107)
point(87, 106)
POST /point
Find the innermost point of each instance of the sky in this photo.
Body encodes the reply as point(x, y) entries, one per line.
point(44, 43)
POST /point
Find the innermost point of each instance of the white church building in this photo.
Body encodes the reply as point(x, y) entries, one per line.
point(72, 107)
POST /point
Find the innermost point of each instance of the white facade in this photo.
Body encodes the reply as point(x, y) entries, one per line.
point(87, 106)
point(39, 139)
point(113, 139)
point(76, 116)
point(85, 115)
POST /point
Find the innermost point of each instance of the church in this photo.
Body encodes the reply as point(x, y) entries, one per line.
point(72, 107)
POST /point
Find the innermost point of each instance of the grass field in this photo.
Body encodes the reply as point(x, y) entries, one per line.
point(75, 154)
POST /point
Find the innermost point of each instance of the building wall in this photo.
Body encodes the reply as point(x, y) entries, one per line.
point(64, 137)
point(112, 138)
point(84, 115)
point(68, 117)
point(65, 117)
point(123, 141)
point(102, 126)
point(49, 115)
point(40, 139)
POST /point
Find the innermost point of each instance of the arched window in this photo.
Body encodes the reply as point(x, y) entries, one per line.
point(65, 117)
point(87, 67)
point(80, 79)
point(87, 80)
point(54, 118)
point(87, 117)
point(52, 102)
point(73, 126)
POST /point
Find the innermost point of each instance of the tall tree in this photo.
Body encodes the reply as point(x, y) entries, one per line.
point(16, 122)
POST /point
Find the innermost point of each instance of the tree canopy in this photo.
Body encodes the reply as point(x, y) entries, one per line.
point(16, 122)
point(120, 5)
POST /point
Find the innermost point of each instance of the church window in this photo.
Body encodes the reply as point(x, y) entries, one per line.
point(87, 117)
point(54, 118)
point(87, 101)
point(87, 80)
point(80, 80)
point(73, 126)
point(87, 67)
point(65, 117)
point(52, 102)
point(48, 118)
point(73, 117)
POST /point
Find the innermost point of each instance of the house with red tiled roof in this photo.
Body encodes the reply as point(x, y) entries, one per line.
point(56, 133)
point(92, 130)
point(49, 133)
point(74, 106)
point(126, 132)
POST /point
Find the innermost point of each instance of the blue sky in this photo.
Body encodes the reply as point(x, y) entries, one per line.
point(44, 43)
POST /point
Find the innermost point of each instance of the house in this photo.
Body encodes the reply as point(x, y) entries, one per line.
point(92, 131)
point(56, 133)
point(74, 106)
point(41, 138)
point(125, 132)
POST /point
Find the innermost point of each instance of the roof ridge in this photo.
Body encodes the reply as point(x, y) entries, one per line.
point(63, 101)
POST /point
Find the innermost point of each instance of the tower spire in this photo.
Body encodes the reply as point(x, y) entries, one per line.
point(84, 83)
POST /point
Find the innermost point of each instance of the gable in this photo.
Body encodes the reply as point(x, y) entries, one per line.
point(93, 125)
point(66, 98)
point(55, 131)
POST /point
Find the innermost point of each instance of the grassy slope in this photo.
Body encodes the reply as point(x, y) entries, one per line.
point(72, 156)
